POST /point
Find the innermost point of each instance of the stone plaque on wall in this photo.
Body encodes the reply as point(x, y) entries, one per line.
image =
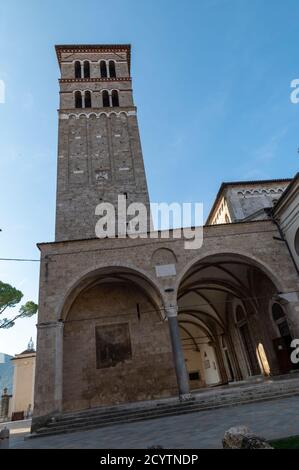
point(113, 344)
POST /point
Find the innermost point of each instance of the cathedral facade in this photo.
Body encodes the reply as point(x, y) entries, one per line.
point(126, 320)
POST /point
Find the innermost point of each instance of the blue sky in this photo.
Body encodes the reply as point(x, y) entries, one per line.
point(211, 81)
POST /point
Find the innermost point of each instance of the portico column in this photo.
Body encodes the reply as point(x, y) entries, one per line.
point(235, 365)
point(222, 370)
point(59, 366)
point(177, 351)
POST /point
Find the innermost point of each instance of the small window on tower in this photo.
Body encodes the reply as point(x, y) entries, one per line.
point(112, 69)
point(103, 69)
point(86, 69)
point(87, 99)
point(77, 69)
point(78, 99)
point(105, 96)
point(115, 100)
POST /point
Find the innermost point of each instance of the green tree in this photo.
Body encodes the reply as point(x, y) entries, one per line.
point(10, 297)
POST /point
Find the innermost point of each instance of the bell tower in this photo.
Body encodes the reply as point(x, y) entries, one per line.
point(99, 150)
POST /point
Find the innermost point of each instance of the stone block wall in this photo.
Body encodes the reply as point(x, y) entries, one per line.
point(148, 374)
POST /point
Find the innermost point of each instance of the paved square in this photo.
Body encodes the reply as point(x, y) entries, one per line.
point(203, 429)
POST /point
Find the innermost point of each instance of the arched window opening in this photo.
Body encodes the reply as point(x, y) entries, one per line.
point(112, 71)
point(86, 69)
point(227, 221)
point(105, 97)
point(78, 99)
point(87, 99)
point(103, 69)
point(77, 69)
point(277, 312)
point(279, 317)
point(115, 100)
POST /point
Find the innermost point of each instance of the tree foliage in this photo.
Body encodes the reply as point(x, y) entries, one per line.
point(10, 297)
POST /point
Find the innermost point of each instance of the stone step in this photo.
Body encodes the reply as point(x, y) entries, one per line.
point(103, 412)
point(139, 414)
point(99, 424)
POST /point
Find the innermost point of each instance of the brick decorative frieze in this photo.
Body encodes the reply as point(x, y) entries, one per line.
point(257, 191)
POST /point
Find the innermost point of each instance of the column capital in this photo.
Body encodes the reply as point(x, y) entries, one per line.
point(54, 324)
point(171, 310)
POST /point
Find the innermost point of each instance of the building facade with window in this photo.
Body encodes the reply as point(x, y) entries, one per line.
point(125, 320)
point(6, 372)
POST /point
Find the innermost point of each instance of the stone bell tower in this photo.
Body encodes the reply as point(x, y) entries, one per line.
point(99, 150)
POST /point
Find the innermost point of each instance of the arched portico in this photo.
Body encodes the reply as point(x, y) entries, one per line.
point(223, 311)
point(116, 345)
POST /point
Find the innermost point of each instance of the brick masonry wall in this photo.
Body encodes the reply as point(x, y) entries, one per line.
point(98, 159)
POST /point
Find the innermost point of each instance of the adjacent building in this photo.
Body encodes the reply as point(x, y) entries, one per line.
point(17, 379)
point(23, 383)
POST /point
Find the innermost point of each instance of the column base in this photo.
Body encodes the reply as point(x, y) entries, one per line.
point(186, 397)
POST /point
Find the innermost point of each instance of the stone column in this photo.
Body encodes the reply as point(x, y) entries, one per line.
point(58, 392)
point(221, 366)
point(4, 404)
point(177, 351)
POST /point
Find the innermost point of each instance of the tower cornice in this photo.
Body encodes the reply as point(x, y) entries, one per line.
point(75, 48)
point(98, 79)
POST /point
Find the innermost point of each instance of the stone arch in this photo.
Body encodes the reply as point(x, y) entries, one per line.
point(88, 277)
point(163, 256)
point(253, 260)
point(112, 312)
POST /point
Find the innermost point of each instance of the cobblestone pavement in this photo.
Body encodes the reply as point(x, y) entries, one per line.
point(204, 429)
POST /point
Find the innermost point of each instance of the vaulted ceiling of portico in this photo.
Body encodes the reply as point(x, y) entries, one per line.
point(209, 287)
